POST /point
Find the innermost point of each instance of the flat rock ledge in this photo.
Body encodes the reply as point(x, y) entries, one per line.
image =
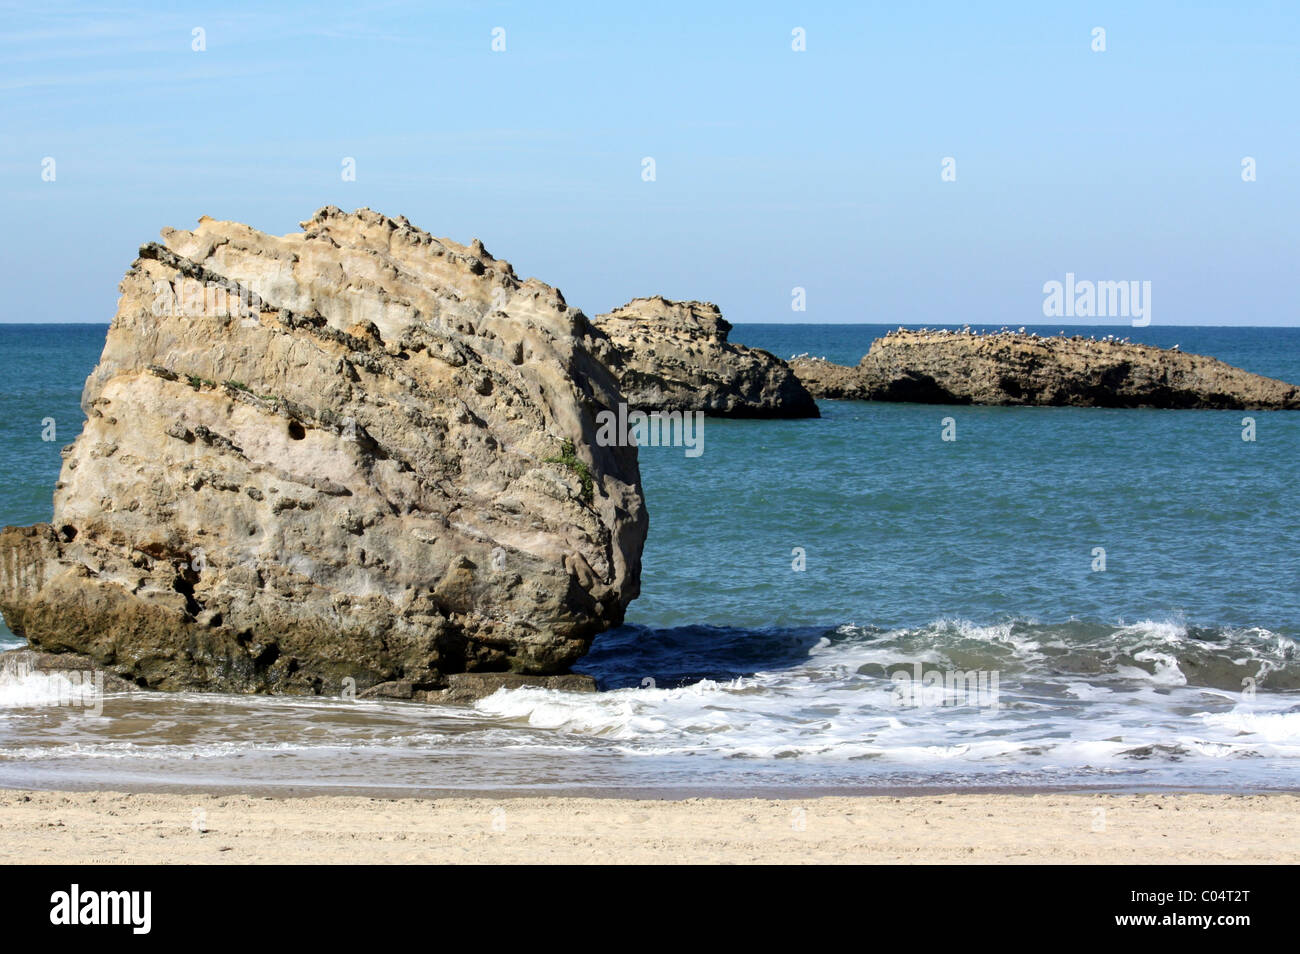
point(347, 456)
point(675, 356)
point(464, 687)
point(1015, 368)
point(826, 380)
point(17, 663)
point(454, 689)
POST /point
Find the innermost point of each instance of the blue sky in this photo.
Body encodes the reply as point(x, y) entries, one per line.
point(774, 168)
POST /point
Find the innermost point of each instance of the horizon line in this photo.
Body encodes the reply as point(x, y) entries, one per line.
point(810, 324)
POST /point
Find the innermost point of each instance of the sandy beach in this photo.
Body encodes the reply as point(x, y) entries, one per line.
point(117, 828)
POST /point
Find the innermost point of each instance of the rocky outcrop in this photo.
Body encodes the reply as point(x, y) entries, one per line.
point(352, 455)
point(826, 379)
point(675, 356)
point(951, 367)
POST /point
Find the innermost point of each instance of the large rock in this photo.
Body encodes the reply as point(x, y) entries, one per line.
point(386, 471)
point(675, 356)
point(951, 367)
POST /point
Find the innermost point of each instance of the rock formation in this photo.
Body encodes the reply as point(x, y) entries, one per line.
point(950, 367)
point(675, 356)
point(357, 452)
point(826, 379)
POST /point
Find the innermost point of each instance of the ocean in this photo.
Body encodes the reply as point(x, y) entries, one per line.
point(1118, 590)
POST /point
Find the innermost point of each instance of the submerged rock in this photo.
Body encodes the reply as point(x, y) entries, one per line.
point(948, 367)
point(332, 459)
point(675, 356)
point(468, 686)
point(79, 672)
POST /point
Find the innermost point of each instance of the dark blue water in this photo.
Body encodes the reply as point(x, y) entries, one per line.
point(796, 565)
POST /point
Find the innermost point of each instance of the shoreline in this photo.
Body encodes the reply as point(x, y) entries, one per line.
point(721, 793)
point(1080, 828)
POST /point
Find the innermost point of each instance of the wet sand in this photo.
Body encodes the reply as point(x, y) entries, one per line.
point(117, 828)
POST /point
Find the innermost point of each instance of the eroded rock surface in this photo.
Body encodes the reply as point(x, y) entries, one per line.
point(675, 356)
point(384, 471)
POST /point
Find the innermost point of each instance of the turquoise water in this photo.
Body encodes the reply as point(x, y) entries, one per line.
point(1175, 665)
point(44, 369)
point(901, 528)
